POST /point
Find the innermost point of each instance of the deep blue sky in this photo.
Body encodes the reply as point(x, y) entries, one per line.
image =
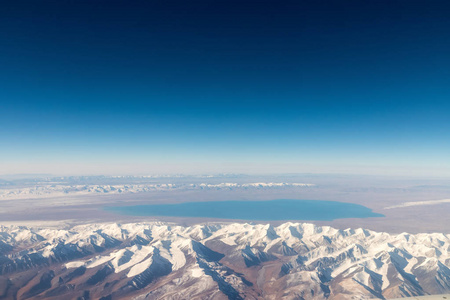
point(212, 86)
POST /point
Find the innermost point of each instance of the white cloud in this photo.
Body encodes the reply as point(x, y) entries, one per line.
point(419, 203)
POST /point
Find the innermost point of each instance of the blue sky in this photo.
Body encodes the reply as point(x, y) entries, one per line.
point(225, 86)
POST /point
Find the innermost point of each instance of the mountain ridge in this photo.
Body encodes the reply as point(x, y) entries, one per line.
point(157, 260)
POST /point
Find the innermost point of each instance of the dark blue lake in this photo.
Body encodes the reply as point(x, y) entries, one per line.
point(253, 210)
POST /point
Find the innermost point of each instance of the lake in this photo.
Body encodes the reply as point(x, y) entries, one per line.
point(272, 210)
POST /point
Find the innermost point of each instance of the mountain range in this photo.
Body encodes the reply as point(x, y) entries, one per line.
point(219, 261)
point(63, 190)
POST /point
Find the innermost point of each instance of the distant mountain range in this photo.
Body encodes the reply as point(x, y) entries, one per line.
point(56, 190)
point(219, 261)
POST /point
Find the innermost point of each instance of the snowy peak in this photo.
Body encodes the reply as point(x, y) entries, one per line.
point(238, 261)
point(63, 190)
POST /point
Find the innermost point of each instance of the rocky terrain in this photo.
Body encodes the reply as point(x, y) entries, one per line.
point(219, 261)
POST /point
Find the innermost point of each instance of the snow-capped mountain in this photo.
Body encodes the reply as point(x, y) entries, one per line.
point(61, 190)
point(219, 261)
